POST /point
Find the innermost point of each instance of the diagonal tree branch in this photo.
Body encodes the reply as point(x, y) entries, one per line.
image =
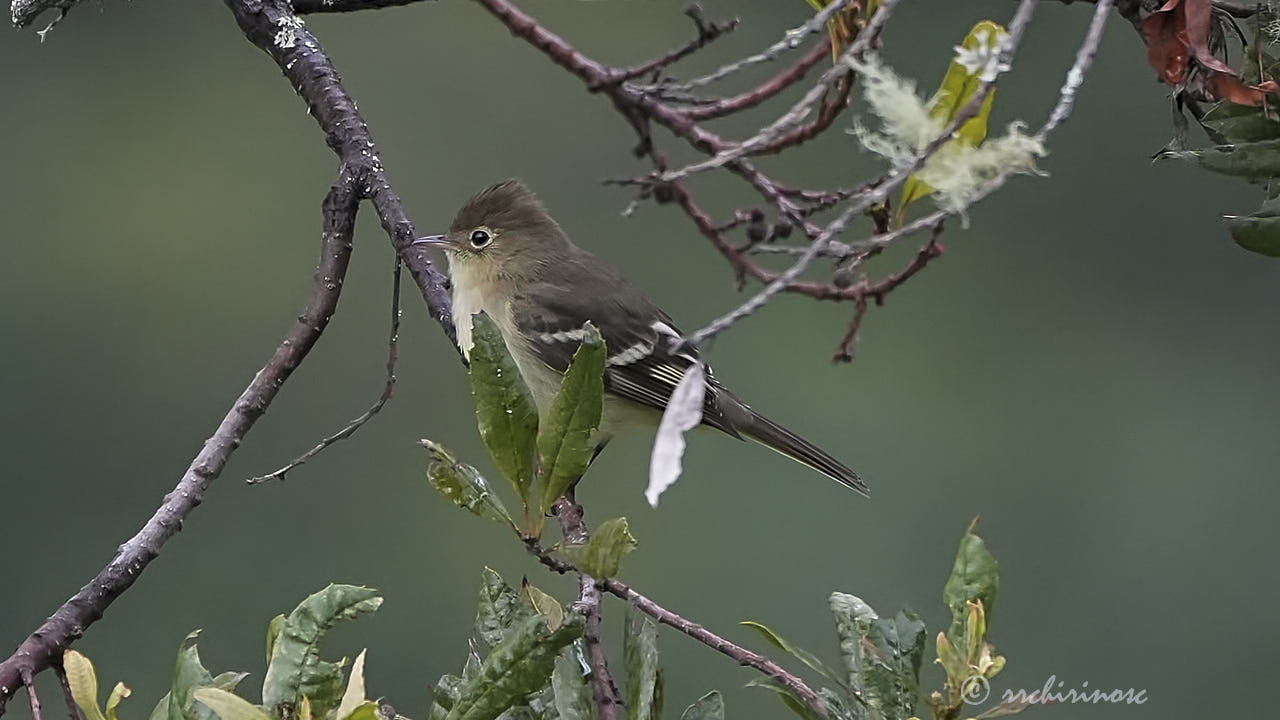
point(43, 648)
point(273, 27)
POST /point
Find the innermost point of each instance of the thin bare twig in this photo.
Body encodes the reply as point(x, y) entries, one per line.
point(387, 388)
point(790, 40)
point(1075, 77)
point(603, 688)
point(708, 32)
point(73, 710)
point(32, 695)
point(762, 92)
point(798, 111)
point(739, 654)
point(878, 291)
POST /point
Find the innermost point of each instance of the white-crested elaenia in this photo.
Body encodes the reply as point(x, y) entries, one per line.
point(510, 259)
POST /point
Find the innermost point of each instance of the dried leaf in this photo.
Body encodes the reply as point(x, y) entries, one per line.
point(683, 413)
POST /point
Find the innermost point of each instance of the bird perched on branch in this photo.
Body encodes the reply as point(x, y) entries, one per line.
point(510, 259)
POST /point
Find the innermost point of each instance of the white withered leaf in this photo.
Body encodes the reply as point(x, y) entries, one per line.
point(683, 413)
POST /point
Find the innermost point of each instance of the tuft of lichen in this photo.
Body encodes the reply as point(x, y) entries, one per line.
point(956, 172)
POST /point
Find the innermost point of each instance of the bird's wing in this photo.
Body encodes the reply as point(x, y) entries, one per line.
point(641, 366)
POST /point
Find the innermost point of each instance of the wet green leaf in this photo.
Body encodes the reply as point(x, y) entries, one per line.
point(640, 655)
point(602, 556)
point(853, 619)
point(499, 608)
point(83, 680)
point(974, 577)
point(1259, 232)
point(1253, 160)
point(572, 693)
point(890, 663)
point(228, 705)
point(445, 695)
point(959, 87)
point(463, 485)
point(188, 675)
point(519, 666)
point(788, 698)
point(507, 417)
point(565, 435)
point(1241, 123)
point(708, 707)
point(296, 670)
point(795, 651)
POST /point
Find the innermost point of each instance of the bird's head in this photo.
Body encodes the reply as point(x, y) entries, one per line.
point(498, 226)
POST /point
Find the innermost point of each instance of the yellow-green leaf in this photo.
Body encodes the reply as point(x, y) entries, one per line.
point(229, 706)
point(84, 683)
point(118, 693)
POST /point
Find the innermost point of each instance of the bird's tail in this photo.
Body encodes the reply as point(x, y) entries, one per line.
point(777, 438)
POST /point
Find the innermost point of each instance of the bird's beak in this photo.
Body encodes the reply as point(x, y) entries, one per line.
point(435, 241)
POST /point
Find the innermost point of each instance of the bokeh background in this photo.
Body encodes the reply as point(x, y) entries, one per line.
point(1091, 367)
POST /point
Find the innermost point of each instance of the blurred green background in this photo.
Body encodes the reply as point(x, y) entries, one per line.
point(1091, 367)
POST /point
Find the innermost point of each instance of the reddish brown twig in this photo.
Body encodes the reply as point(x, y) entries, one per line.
point(567, 507)
point(603, 688)
point(763, 91)
point(877, 292)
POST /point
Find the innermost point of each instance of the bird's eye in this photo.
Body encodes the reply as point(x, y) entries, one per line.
point(480, 238)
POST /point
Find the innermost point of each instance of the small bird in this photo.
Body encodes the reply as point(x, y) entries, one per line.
point(510, 259)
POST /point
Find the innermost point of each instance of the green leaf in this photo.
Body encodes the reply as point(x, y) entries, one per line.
point(1254, 160)
point(118, 693)
point(84, 683)
point(974, 577)
point(463, 485)
point(853, 619)
point(229, 706)
point(565, 444)
point(788, 698)
point(353, 696)
point(296, 670)
point(188, 674)
point(890, 662)
point(445, 695)
point(797, 652)
point(504, 407)
point(1240, 123)
point(1259, 232)
point(522, 664)
point(640, 655)
point(499, 608)
point(602, 555)
point(544, 605)
point(959, 87)
point(708, 707)
point(572, 694)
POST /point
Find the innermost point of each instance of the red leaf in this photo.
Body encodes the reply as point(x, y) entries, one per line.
point(1197, 16)
point(1226, 86)
point(1167, 51)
